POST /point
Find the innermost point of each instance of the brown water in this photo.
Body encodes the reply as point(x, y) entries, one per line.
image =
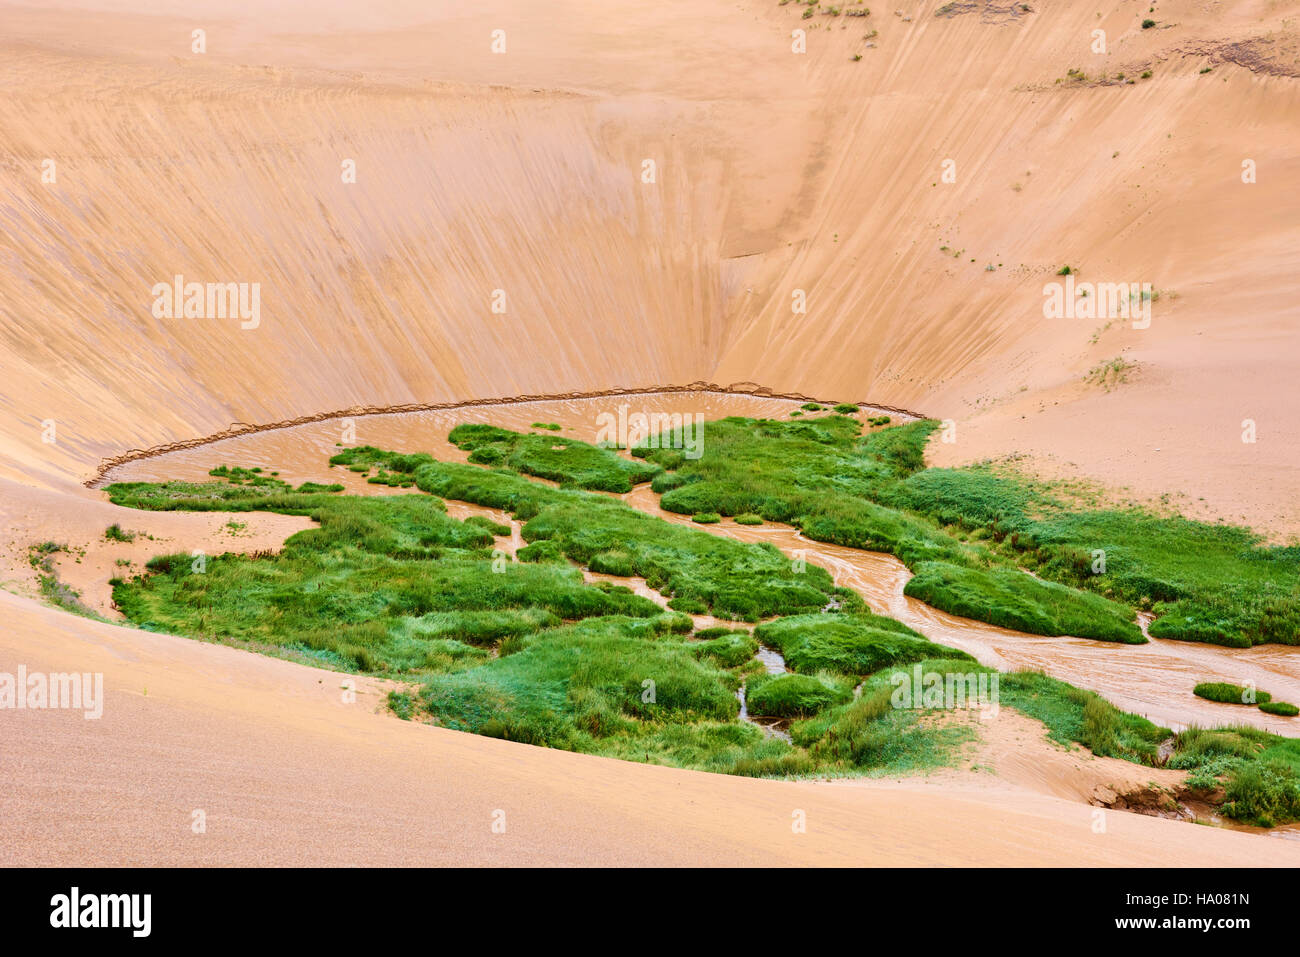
point(1154, 679)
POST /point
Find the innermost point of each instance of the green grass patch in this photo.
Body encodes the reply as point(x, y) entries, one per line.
point(1204, 582)
point(1283, 709)
point(1227, 693)
point(848, 644)
point(401, 704)
point(567, 461)
point(489, 526)
point(528, 651)
point(728, 647)
point(869, 734)
point(1075, 715)
point(1010, 598)
point(795, 696)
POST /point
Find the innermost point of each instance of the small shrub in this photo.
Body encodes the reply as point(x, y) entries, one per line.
point(400, 703)
point(310, 488)
point(1264, 794)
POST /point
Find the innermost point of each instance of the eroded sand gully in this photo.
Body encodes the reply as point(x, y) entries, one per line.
point(1154, 680)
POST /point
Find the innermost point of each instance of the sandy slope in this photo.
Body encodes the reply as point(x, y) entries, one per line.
point(775, 172)
point(522, 172)
point(288, 773)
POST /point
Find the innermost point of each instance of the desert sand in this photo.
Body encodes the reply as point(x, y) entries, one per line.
point(286, 771)
point(129, 158)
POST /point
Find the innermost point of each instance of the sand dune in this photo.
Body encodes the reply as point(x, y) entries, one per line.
point(523, 172)
point(287, 772)
point(774, 172)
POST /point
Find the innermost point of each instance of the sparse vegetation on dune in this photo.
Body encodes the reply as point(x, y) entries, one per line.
point(57, 593)
point(115, 533)
point(1110, 374)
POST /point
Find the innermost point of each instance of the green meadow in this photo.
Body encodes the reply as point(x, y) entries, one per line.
point(526, 650)
point(971, 534)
